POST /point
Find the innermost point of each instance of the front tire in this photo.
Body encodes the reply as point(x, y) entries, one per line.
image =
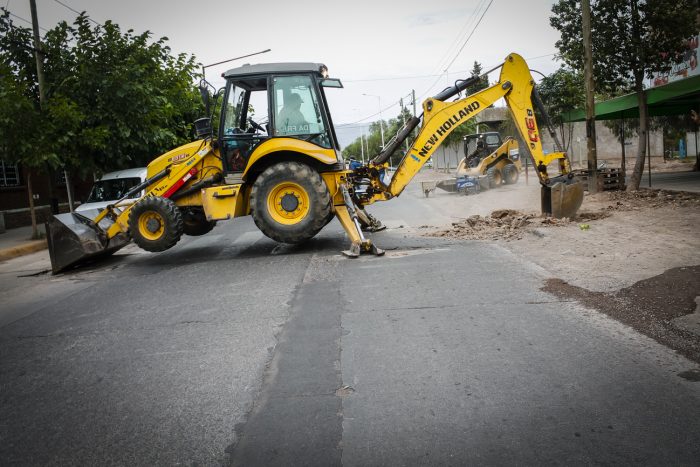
point(495, 177)
point(510, 174)
point(290, 202)
point(155, 223)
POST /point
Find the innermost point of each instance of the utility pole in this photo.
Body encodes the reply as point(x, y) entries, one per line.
point(38, 54)
point(362, 146)
point(413, 98)
point(40, 75)
point(590, 102)
point(403, 116)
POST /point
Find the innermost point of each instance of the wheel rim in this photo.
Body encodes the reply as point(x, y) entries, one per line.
point(288, 203)
point(151, 225)
point(497, 178)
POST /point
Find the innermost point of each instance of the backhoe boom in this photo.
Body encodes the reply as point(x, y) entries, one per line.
point(515, 85)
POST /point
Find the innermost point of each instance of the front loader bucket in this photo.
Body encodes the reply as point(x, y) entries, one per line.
point(74, 238)
point(562, 198)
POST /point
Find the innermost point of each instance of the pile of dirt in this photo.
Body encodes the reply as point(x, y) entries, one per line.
point(509, 224)
point(649, 306)
point(503, 224)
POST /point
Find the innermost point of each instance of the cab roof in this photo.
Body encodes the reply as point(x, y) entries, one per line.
point(271, 68)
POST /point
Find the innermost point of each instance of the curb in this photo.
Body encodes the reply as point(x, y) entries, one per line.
point(23, 249)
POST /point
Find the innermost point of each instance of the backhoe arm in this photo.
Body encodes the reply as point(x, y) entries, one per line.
point(561, 195)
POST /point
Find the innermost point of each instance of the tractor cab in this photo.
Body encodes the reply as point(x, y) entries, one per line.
point(479, 145)
point(274, 100)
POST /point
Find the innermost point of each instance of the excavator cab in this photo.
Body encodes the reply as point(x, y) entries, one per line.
point(268, 101)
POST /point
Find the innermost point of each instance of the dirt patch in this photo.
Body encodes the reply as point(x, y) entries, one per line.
point(500, 225)
point(649, 306)
point(509, 224)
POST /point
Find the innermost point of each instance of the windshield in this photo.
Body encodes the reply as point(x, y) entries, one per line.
point(296, 109)
point(113, 189)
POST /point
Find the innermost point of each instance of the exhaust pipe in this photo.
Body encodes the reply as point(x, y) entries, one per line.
point(74, 238)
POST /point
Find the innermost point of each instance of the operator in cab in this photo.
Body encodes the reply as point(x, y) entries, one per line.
point(478, 154)
point(290, 120)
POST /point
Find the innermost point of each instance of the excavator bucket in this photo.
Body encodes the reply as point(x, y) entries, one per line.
point(562, 198)
point(74, 238)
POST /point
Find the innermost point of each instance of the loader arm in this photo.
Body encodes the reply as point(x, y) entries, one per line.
point(74, 237)
point(440, 118)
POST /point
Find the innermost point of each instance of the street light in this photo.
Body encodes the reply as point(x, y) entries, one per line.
point(381, 122)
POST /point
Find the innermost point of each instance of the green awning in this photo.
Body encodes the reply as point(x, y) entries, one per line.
point(676, 98)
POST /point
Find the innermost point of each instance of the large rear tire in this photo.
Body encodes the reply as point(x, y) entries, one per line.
point(155, 223)
point(290, 202)
point(510, 174)
point(495, 177)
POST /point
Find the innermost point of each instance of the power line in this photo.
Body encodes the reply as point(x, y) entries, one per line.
point(396, 78)
point(440, 65)
point(465, 28)
point(460, 49)
point(470, 34)
point(76, 11)
point(25, 20)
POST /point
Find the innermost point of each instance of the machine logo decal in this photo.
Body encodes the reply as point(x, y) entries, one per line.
point(180, 157)
point(446, 126)
point(531, 129)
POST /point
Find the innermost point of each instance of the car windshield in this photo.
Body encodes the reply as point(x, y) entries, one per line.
point(113, 189)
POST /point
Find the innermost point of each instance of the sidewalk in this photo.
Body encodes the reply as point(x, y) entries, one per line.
point(18, 242)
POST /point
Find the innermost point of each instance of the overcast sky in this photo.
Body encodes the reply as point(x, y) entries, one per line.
point(384, 48)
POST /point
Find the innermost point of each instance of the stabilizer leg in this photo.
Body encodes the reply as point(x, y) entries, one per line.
point(347, 215)
point(368, 222)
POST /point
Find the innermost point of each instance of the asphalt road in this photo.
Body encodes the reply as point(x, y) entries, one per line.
point(681, 181)
point(231, 349)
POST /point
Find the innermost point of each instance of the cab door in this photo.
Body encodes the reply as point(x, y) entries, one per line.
point(244, 122)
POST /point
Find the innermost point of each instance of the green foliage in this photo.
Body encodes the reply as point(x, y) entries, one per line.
point(483, 83)
point(631, 39)
point(18, 117)
point(114, 99)
point(561, 92)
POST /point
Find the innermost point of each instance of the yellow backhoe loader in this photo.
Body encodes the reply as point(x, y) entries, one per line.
point(285, 168)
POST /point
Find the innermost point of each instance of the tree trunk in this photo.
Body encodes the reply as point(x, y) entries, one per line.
point(636, 177)
point(69, 190)
point(32, 213)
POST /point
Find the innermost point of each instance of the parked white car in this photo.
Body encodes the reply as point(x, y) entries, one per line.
point(112, 187)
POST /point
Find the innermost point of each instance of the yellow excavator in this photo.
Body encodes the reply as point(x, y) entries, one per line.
point(285, 168)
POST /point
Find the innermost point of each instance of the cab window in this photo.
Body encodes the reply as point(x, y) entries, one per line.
point(296, 109)
point(234, 110)
point(245, 122)
point(492, 140)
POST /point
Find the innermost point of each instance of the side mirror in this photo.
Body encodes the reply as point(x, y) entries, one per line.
point(202, 127)
point(204, 92)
